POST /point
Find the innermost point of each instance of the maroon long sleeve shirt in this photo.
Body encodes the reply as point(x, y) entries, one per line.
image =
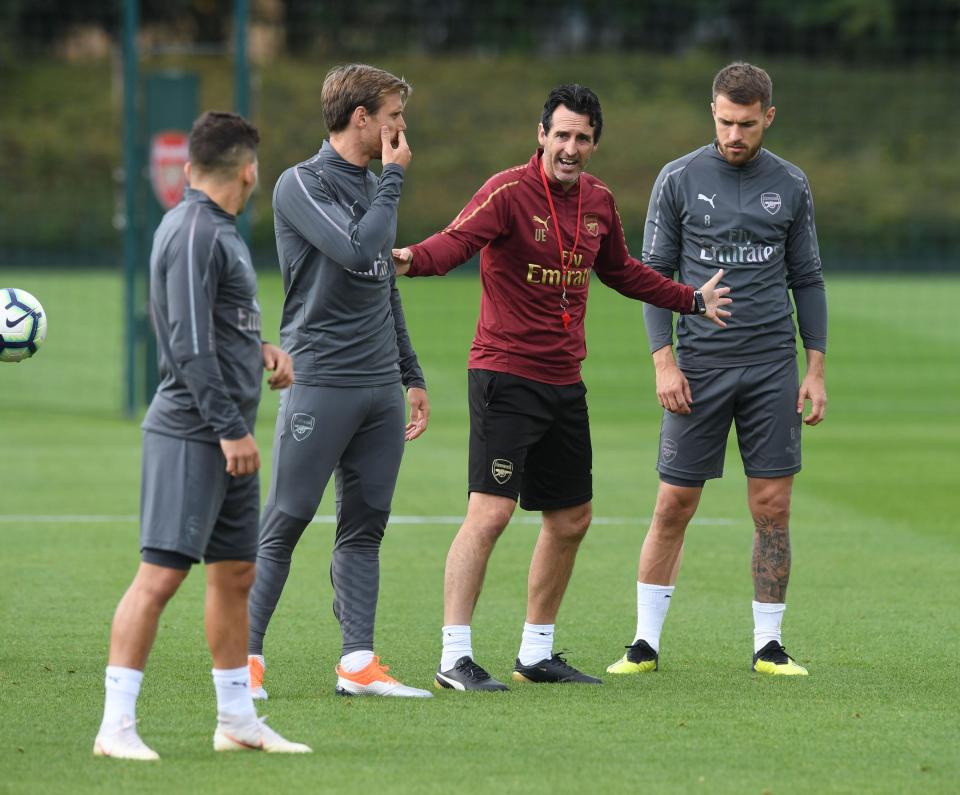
point(520, 329)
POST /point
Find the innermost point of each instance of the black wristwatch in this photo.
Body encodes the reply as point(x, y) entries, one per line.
point(699, 303)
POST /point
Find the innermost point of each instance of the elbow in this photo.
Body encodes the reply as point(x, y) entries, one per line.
point(810, 280)
point(360, 261)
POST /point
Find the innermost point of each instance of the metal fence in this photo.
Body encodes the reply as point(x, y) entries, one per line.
point(866, 93)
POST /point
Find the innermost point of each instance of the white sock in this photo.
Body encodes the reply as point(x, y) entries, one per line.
point(356, 660)
point(123, 687)
point(766, 623)
point(456, 644)
point(536, 643)
point(653, 602)
point(234, 699)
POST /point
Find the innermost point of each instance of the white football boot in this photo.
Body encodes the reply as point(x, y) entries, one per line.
point(253, 734)
point(124, 743)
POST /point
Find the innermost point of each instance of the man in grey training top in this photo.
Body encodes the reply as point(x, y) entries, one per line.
point(200, 492)
point(735, 205)
point(343, 325)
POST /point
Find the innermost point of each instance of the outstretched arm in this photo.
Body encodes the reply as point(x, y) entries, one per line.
point(402, 259)
point(484, 219)
point(628, 276)
point(714, 298)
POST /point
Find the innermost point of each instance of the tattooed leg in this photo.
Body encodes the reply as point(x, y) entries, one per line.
point(769, 500)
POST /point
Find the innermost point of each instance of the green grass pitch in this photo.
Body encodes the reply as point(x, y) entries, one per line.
point(873, 601)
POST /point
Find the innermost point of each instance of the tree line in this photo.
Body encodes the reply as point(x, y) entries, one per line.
point(849, 30)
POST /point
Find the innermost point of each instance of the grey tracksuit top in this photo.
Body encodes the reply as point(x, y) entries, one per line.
point(342, 321)
point(755, 221)
point(203, 304)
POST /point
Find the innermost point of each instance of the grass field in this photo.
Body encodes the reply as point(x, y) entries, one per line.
point(873, 596)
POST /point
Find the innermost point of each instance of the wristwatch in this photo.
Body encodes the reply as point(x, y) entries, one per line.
point(699, 303)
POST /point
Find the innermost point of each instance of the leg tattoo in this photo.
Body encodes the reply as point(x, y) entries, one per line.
point(771, 560)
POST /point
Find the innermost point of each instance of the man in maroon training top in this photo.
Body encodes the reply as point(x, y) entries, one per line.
point(542, 229)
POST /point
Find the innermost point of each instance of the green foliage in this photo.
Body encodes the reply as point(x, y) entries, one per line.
point(878, 143)
point(59, 148)
point(873, 592)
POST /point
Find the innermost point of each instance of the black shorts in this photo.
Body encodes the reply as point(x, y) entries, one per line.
point(529, 439)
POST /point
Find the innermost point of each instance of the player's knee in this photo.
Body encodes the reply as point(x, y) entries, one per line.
point(487, 528)
point(482, 531)
point(674, 509)
point(578, 521)
point(280, 534)
point(771, 507)
point(159, 585)
point(569, 524)
point(245, 576)
point(488, 518)
point(362, 531)
point(769, 500)
point(233, 578)
point(581, 521)
point(771, 510)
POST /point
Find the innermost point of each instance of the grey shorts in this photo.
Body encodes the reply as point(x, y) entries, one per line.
point(191, 506)
point(760, 399)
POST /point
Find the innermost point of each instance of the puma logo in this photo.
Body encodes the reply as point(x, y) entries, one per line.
point(545, 222)
point(708, 200)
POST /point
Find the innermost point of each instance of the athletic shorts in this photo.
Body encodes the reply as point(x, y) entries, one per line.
point(189, 505)
point(760, 399)
point(529, 440)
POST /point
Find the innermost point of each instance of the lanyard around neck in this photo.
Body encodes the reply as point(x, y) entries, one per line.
point(564, 303)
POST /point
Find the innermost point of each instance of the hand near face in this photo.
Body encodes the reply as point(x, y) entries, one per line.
point(399, 154)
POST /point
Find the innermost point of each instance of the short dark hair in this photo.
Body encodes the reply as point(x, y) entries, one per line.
point(346, 88)
point(577, 98)
point(743, 84)
point(220, 143)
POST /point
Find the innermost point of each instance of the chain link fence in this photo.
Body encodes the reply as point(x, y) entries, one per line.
point(866, 94)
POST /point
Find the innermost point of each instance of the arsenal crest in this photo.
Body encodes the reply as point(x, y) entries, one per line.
point(668, 450)
point(301, 425)
point(502, 470)
point(169, 151)
point(770, 202)
point(592, 224)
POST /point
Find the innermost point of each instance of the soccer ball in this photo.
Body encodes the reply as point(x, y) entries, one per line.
point(23, 324)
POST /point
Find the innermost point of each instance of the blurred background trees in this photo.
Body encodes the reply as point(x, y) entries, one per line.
point(866, 93)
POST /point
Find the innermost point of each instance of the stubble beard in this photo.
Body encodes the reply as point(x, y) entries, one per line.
point(741, 156)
